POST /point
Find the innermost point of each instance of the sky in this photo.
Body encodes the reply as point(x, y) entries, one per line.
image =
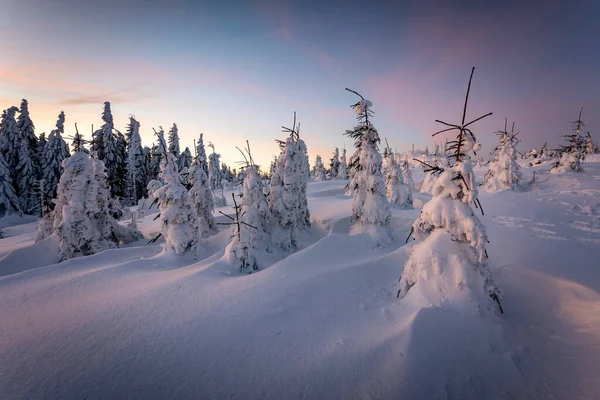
point(237, 70)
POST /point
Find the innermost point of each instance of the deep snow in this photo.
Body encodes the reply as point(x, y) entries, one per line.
point(321, 323)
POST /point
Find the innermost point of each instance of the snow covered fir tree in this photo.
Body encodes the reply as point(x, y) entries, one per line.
point(288, 203)
point(504, 172)
point(334, 165)
point(448, 265)
point(55, 151)
point(343, 167)
point(177, 216)
point(319, 173)
point(252, 233)
point(370, 208)
point(201, 198)
point(397, 192)
point(573, 154)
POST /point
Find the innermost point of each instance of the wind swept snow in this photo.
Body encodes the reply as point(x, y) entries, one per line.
point(320, 323)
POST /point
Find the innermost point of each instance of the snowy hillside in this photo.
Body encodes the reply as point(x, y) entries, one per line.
point(321, 323)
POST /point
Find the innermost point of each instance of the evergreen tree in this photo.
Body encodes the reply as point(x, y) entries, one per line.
point(201, 153)
point(253, 233)
point(9, 203)
point(185, 160)
point(78, 143)
point(55, 151)
point(573, 154)
point(334, 165)
point(319, 173)
point(174, 142)
point(158, 153)
point(590, 147)
point(370, 209)
point(214, 169)
point(105, 145)
point(504, 171)
point(177, 216)
point(288, 203)
point(449, 264)
point(343, 168)
point(201, 198)
point(27, 131)
point(397, 192)
point(136, 173)
point(120, 186)
point(147, 170)
point(12, 140)
point(82, 222)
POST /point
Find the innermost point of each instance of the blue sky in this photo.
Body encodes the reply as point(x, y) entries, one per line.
point(238, 70)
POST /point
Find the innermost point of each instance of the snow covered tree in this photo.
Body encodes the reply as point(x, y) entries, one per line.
point(397, 192)
point(334, 165)
point(12, 140)
point(177, 216)
point(406, 172)
point(503, 172)
point(104, 143)
point(343, 168)
point(158, 153)
point(252, 233)
point(590, 147)
point(288, 203)
point(27, 133)
point(214, 169)
point(201, 153)
point(318, 172)
point(202, 201)
point(370, 209)
point(82, 223)
point(78, 143)
point(174, 142)
point(449, 264)
point(136, 180)
point(185, 160)
point(55, 151)
point(119, 189)
point(9, 203)
point(573, 154)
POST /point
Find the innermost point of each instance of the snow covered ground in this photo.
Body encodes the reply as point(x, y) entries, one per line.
point(322, 323)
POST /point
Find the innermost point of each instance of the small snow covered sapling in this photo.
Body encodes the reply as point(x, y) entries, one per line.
point(398, 193)
point(201, 198)
point(319, 173)
point(573, 154)
point(370, 209)
point(449, 263)
point(178, 219)
point(252, 235)
point(504, 172)
point(343, 168)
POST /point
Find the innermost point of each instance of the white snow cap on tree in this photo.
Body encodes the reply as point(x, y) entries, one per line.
point(55, 151)
point(504, 172)
point(449, 266)
point(343, 168)
point(319, 173)
point(174, 141)
point(370, 209)
point(82, 223)
point(202, 201)
point(136, 180)
point(178, 219)
point(247, 242)
point(214, 170)
point(334, 165)
point(398, 193)
point(9, 203)
point(287, 198)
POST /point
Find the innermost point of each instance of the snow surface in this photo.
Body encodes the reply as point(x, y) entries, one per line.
point(321, 323)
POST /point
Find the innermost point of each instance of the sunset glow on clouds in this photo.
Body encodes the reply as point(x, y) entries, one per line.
point(238, 72)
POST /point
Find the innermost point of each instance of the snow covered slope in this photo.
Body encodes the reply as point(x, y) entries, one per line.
point(321, 323)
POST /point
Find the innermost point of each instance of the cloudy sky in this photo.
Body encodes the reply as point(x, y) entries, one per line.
point(237, 70)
